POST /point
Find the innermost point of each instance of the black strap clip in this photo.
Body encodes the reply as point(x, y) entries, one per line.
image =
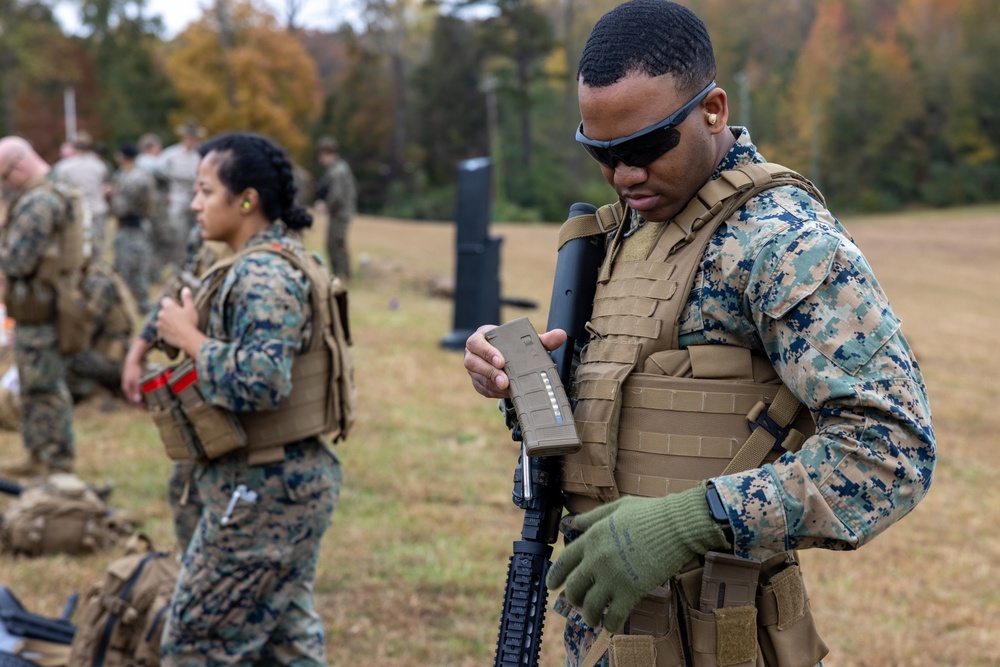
point(777, 431)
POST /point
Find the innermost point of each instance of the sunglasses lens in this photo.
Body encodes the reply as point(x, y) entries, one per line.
point(639, 152)
point(602, 155)
point(642, 151)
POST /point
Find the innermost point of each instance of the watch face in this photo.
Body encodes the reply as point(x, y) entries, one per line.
point(715, 507)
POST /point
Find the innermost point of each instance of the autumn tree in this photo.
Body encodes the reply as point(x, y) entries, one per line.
point(236, 68)
point(451, 106)
point(37, 63)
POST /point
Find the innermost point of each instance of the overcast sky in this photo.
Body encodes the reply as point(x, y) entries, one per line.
point(177, 14)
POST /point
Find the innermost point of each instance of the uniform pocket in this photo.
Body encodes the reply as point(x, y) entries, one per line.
point(218, 598)
point(176, 434)
point(788, 636)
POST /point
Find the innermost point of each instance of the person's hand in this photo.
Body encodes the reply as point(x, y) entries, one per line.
point(132, 370)
point(177, 323)
point(484, 363)
point(628, 548)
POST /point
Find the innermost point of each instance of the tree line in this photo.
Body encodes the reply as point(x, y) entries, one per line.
point(885, 104)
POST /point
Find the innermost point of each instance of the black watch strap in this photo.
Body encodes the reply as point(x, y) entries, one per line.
point(718, 512)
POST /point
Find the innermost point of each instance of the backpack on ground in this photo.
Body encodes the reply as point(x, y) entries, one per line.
point(60, 515)
point(123, 615)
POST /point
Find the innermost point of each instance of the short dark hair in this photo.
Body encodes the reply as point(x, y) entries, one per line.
point(652, 37)
point(249, 160)
point(128, 151)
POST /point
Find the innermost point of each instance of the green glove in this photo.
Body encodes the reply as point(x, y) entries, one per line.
point(628, 548)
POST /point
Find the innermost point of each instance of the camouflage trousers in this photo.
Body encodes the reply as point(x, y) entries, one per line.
point(132, 257)
point(336, 246)
point(46, 406)
point(245, 592)
point(185, 503)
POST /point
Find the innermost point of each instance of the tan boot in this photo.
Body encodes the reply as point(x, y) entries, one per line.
point(30, 466)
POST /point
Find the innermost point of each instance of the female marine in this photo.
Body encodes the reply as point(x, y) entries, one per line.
point(245, 593)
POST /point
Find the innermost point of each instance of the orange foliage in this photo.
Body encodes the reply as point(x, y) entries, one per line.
point(263, 82)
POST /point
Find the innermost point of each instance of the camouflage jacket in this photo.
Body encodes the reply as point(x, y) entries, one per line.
point(783, 276)
point(33, 219)
point(87, 173)
point(180, 167)
point(198, 256)
point(133, 194)
point(259, 319)
point(339, 190)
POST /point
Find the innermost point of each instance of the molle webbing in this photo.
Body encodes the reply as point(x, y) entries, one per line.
point(66, 255)
point(312, 407)
point(606, 220)
point(655, 419)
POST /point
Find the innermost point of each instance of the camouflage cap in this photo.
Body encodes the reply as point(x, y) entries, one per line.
point(149, 140)
point(191, 128)
point(326, 143)
point(83, 141)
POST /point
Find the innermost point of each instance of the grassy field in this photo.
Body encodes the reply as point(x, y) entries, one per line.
point(412, 569)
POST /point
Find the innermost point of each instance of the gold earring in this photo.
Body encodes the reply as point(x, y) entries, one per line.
point(246, 204)
point(712, 117)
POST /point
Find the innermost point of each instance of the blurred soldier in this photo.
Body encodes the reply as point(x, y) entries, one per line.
point(100, 365)
point(336, 188)
point(131, 202)
point(87, 172)
point(148, 160)
point(178, 164)
point(31, 240)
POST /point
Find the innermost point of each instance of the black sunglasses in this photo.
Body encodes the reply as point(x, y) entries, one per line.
point(643, 147)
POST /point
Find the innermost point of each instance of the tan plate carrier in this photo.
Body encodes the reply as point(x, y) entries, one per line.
point(655, 419)
point(323, 394)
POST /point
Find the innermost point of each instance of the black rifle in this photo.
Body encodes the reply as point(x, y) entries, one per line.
point(10, 487)
point(524, 605)
point(19, 622)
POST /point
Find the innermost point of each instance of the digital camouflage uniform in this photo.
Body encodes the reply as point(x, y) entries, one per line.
point(46, 406)
point(783, 276)
point(245, 591)
point(179, 166)
point(88, 173)
point(182, 492)
point(100, 365)
point(340, 194)
point(131, 203)
point(158, 208)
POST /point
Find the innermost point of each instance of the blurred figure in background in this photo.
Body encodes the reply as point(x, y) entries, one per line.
point(178, 164)
point(33, 245)
point(87, 172)
point(337, 190)
point(131, 203)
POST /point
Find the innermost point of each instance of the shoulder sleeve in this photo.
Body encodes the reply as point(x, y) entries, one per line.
point(257, 324)
point(830, 333)
point(30, 228)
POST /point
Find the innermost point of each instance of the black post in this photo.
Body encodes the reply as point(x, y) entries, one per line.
point(477, 255)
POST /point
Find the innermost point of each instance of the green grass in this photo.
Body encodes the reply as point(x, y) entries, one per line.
point(412, 568)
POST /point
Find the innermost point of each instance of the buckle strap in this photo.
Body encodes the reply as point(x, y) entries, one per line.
point(775, 429)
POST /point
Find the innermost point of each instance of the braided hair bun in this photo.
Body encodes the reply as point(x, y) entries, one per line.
point(249, 160)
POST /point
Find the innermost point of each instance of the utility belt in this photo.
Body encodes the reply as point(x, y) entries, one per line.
point(30, 301)
point(727, 611)
point(130, 220)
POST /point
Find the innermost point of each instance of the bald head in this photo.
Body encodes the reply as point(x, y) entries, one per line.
point(19, 163)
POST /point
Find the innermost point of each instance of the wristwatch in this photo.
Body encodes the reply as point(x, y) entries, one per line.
point(718, 512)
